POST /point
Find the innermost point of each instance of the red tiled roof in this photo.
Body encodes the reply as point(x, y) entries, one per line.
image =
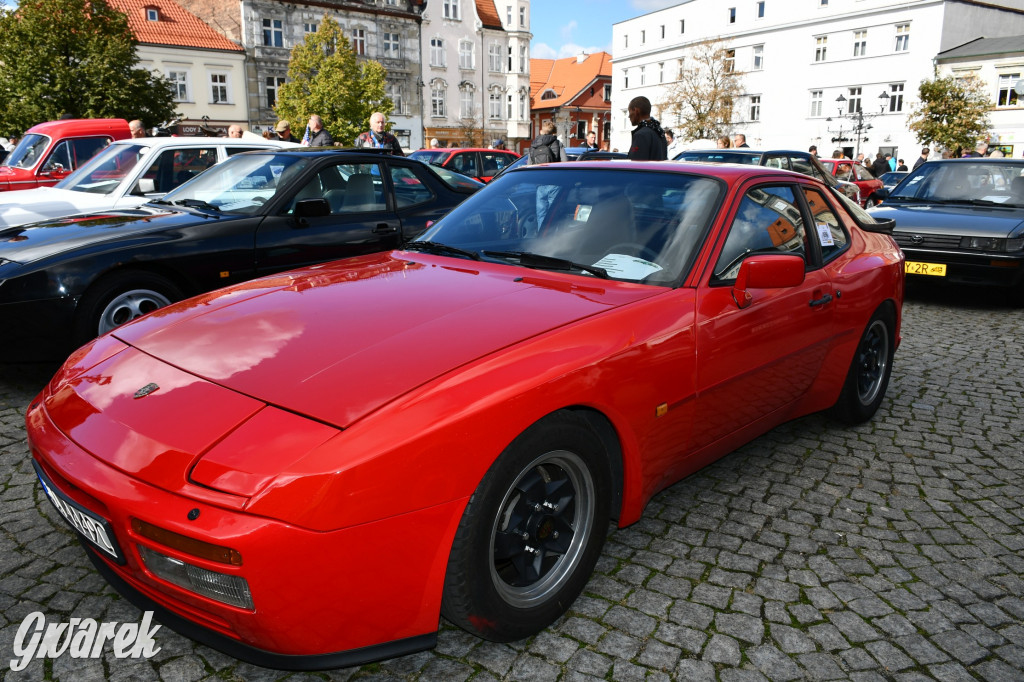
point(176, 27)
point(566, 77)
point(488, 14)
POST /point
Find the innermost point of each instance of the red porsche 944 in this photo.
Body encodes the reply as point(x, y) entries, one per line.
point(308, 470)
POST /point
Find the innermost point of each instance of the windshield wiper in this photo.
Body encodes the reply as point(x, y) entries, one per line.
point(196, 203)
point(536, 260)
point(441, 249)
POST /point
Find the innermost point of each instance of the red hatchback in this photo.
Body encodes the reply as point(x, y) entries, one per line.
point(482, 164)
point(47, 153)
point(851, 171)
point(307, 470)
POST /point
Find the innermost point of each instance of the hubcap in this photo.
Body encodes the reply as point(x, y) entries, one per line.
point(130, 305)
point(872, 362)
point(538, 537)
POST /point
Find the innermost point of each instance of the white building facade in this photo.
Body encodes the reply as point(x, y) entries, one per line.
point(808, 67)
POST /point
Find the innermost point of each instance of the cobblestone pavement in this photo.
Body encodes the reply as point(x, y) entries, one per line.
point(890, 551)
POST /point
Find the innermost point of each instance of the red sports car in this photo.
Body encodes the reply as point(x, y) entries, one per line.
point(308, 470)
point(851, 171)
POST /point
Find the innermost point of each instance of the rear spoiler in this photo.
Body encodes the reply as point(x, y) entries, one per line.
point(879, 225)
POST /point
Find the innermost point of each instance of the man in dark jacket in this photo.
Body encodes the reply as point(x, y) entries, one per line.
point(546, 148)
point(880, 165)
point(648, 138)
point(379, 138)
point(318, 135)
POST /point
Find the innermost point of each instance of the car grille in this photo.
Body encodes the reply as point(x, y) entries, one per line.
point(927, 241)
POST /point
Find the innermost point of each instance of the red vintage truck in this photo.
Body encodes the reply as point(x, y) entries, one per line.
point(49, 152)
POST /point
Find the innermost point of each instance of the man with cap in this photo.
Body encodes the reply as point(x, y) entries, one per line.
point(284, 131)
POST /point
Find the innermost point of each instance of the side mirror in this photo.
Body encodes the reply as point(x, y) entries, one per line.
point(50, 169)
point(145, 186)
point(881, 194)
point(312, 208)
point(766, 272)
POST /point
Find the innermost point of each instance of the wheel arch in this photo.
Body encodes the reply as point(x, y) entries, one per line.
point(605, 431)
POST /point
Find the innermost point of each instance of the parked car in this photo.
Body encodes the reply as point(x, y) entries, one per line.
point(126, 174)
point(66, 280)
point(786, 159)
point(481, 164)
point(573, 154)
point(47, 153)
point(454, 424)
point(850, 171)
point(961, 221)
point(891, 179)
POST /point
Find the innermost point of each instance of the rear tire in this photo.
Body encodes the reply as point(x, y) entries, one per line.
point(120, 298)
point(870, 369)
point(531, 533)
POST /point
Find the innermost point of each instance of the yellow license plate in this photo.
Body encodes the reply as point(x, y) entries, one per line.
point(913, 268)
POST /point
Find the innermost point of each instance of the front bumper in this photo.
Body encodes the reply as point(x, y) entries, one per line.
point(963, 267)
point(322, 599)
point(37, 330)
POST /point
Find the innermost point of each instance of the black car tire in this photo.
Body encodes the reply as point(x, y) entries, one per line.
point(870, 369)
point(119, 298)
point(531, 533)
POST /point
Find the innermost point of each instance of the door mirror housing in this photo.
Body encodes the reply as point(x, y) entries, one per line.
point(312, 208)
point(766, 272)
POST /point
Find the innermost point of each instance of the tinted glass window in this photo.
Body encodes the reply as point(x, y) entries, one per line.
point(465, 163)
point(769, 220)
point(830, 232)
point(84, 148)
point(410, 188)
point(347, 187)
point(231, 151)
point(60, 158)
point(28, 151)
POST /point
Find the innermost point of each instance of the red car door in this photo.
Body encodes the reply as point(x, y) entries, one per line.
point(756, 360)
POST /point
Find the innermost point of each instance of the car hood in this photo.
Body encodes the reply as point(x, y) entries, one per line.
point(32, 242)
point(338, 341)
point(981, 221)
point(32, 205)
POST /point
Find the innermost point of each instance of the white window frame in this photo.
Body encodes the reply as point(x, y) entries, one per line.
point(755, 108)
point(853, 104)
point(451, 10)
point(1006, 96)
point(902, 38)
point(220, 87)
point(273, 33)
point(466, 103)
point(391, 45)
point(820, 48)
point(757, 62)
point(860, 43)
point(182, 83)
point(437, 53)
point(310, 27)
point(523, 58)
point(817, 103)
point(438, 95)
point(896, 97)
point(494, 105)
point(274, 85)
point(760, 10)
point(494, 57)
point(359, 41)
point(466, 55)
point(152, 14)
point(522, 17)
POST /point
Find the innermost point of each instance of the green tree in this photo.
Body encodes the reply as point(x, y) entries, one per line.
point(952, 112)
point(325, 78)
point(73, 57)
point(703, 97)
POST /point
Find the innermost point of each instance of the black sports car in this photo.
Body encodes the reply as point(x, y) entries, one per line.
point(63, 282)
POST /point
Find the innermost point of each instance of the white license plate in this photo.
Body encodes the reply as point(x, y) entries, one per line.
point(92, 527)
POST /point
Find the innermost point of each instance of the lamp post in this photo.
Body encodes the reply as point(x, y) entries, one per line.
point(858, 119)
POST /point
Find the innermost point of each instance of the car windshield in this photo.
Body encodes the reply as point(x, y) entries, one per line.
point(983, 181)
point(242, 184)
point(105, 171)
point(633, 226)
point(432, 157)
point(720, 156)
point(28, 151)
point(455, 180)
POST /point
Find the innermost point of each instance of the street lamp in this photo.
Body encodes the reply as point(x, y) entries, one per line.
point(858, 119)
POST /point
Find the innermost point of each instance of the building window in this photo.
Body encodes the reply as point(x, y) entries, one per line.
point(524, 97)
point(395, 95)
point(902, 38)
point(682, 25)
point(179, 82)
point(895, 97)
point(451, 9)
point(732, 15)
point(853, 102)
point(822, 3)
point(816, 100)
point(391, 45)
point(522, 17)
point(581, 130)
point(508, 15)
point(625, 79)
point(758, 62)
point(1007, 95)
point(309, 27)
point(860, 43)
point(522, 58)
point(755, 107)
point(643, 37)
point(663, 31)
point(625, 40)
point(465, 54)
point(359, 41)
point(820, 48)
point(466, 103)
point(219, 88)
point(661, 72)
point(760, 10)
point(643, 75)
point(510, 107)
point(436, 52)
point(273, 33)
point(682, 65)
point(494, 105)
point(494, 57)
point(152, 14)
point(273, 84)
point(437, 95)
point(730, 61)
point(607, 92)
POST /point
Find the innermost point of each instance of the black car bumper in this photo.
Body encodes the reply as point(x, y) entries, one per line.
point(997, 269)
point(37, 330)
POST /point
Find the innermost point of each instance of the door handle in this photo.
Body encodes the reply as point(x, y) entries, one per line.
point(827, 298)
point(384, 228)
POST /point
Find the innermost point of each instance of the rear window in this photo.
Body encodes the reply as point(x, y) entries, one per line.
point(720, 157)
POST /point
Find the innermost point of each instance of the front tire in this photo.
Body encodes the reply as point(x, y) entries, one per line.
point(120, 298)
point(531, 533)
point(870, 369)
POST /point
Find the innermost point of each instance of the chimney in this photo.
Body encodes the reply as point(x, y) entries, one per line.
point(581, 57)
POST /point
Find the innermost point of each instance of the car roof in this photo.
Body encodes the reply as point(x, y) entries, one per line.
point(161, 142)
point(463, 149)
point(730, 172)
point(78, 126)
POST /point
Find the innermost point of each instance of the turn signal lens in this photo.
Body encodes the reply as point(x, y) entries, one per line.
point(227, 589)
point(183, 543)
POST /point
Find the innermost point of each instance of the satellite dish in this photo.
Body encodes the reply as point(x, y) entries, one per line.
point(1018, 87)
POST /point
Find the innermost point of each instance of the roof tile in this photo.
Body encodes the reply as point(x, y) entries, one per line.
point(177, 27)
point(566, 77)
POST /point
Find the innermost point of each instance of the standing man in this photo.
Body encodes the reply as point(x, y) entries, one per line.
point(673, 147)
point(921, 159)
point(318, 136)
point(379, 138)
point(591, 140)
point(234, 130)
point(880, 165)
point(136, 128)
point(284, 131)
point(813, 150)
point(648, 138)
point(739, 140)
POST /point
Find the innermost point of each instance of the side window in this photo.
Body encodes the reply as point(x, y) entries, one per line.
point(84, 148)
point(768, 221)
point(831, 235)
point(188, 163)
point(776, 162)
point(61, 156)
point(465, 163)
point(409, 187)
point(862, 172)
point(231, 151)
point(347, 187)
point(807, 168)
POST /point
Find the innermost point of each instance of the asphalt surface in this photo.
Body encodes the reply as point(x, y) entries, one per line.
point(889, 551)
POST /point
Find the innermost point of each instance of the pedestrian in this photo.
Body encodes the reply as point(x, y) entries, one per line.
point(813, 150)
point(377, 137)
point(981, 149)
point(499, 144)
point(591, 142)
point(136, 128)
point(880, 165)
point(921, 159)
point(234, 130)
point(673, 144)
point(723, 142)
point(268, 134)
point(434, 144)
point(900, 166)
point(739, 140)
point(319, 137)
point(996, 154)
point(838, 154)
point(891, 161)
point(648, 143)
point(546, 148)
point(284, 131)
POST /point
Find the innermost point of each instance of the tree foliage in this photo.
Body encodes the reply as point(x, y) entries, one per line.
point(325, 78)
point(952, 112)
point(77, 58)
point(703, 98)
